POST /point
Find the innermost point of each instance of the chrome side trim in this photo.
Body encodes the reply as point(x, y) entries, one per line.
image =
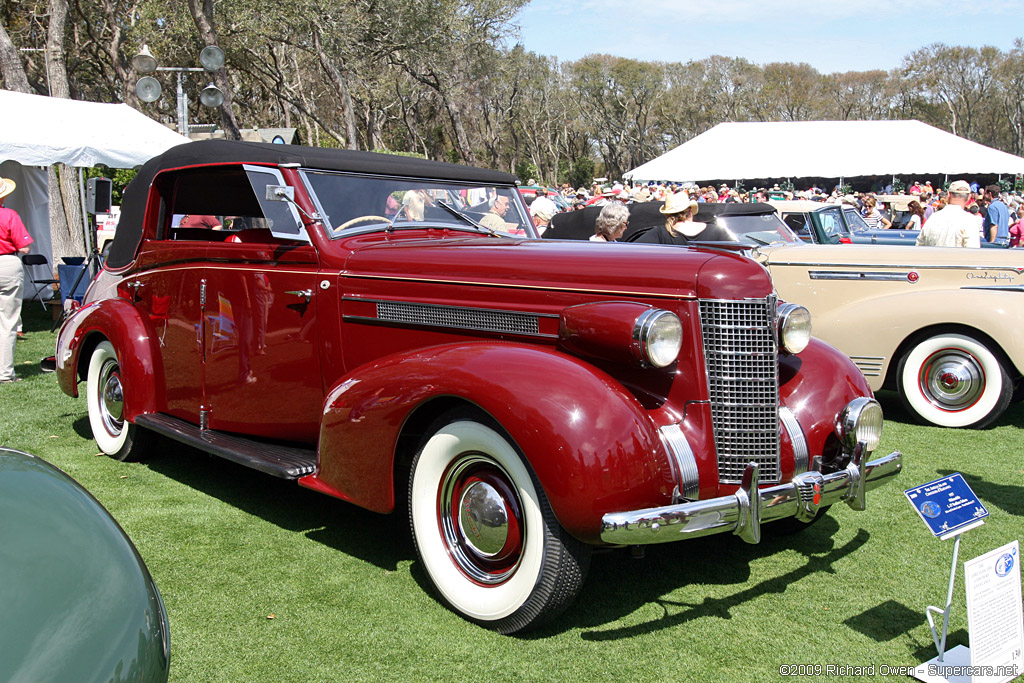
point(801, 453)
point(998, 288)
point(683, 462)
point(859, 275)
point(750, 507)
point(870, 366)
point(911, 266)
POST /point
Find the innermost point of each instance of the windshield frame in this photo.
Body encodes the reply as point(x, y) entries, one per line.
point(400, 221)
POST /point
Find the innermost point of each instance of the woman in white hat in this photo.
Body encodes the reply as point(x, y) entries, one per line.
point(680, 228)
point(14, 241)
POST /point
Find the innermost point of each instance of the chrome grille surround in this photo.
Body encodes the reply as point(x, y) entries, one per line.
point(741, 358)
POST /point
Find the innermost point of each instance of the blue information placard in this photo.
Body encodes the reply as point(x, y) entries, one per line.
point(948, 505)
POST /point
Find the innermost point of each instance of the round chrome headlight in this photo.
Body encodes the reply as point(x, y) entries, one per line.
point(793, 325)
point(658, 337)
point(861, 420)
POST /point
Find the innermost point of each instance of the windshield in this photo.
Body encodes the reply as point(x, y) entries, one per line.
point(359, 203)
point(765, 228)
point(853, 218)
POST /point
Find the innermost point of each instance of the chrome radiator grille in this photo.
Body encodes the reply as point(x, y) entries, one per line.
point(743, 382)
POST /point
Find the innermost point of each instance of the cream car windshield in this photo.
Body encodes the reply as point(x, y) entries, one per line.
point(349, 204)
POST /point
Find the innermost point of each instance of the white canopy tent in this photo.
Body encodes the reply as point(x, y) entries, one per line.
point(824, 149)
point(38, 131)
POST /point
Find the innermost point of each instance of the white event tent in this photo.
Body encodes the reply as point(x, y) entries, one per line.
point(38, 131)
point(824, 149)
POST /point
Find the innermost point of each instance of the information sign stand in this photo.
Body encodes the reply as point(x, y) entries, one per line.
point(948, 507)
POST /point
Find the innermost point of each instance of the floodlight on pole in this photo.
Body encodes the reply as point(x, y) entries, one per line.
point(211, 96)
point(211, 58)
point(148, 88)
point(144, 62)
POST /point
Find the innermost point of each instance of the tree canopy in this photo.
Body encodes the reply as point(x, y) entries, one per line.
point(446, 79)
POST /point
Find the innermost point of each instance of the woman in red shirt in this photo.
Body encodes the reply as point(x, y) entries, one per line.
point(14, 241)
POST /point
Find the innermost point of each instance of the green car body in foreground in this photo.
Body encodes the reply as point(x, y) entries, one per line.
point(76, 599)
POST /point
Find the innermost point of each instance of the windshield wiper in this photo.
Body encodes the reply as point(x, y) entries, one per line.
point(458, 214)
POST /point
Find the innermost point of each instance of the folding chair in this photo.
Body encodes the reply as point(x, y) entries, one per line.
point(41, 285)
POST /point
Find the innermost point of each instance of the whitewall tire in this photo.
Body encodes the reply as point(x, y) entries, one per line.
point(485, 533)
point(952, 380)
point(105, 396)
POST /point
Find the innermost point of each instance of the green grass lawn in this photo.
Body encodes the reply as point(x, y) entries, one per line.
point(265, 581)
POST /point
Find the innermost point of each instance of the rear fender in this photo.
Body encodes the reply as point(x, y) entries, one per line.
point(133, 340)
point(589, 441)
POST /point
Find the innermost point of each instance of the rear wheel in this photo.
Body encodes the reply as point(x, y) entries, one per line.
point(952, 380)
point(105, 395)
point(485, 532)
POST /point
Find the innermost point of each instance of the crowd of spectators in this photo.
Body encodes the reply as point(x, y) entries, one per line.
point(995, 214)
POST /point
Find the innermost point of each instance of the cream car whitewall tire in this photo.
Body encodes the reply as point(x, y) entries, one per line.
point(953, 380)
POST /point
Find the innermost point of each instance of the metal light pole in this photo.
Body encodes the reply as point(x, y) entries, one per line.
point(148, 88)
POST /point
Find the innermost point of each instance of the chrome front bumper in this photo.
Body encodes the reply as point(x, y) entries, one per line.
point(743, 512)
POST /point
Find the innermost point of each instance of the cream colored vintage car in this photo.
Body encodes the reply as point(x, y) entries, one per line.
point(942, 326)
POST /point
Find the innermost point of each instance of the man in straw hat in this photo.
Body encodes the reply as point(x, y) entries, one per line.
point(14, 241)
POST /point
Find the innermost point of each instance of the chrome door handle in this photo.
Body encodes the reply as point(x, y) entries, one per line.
point(305, 293)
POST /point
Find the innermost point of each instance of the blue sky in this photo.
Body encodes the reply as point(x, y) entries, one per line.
point(841, 36)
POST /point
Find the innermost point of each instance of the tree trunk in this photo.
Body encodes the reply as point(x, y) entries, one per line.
point(68, 238)
point(10, 64)
point(203, 18)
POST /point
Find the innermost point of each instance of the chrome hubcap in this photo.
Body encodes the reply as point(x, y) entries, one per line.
point(112, 398)
point(952, 379)
point(481, 520)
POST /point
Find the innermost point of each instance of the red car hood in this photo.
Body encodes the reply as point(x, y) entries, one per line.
point(619, 269)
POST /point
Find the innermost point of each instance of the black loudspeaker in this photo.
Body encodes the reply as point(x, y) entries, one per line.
point(97, 195)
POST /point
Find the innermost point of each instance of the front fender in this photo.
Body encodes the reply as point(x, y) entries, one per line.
point(816, 385)
point(589, 441)
point(133, 340)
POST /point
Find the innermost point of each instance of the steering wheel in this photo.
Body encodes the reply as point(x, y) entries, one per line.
point(360, 219)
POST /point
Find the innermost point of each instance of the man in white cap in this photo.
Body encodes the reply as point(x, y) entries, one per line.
point(14, 241)
point(543, 203)
point(952, 226)
point(541, 218)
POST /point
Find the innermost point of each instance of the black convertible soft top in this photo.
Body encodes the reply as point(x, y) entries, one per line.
point(204, 152)
point(579, 225)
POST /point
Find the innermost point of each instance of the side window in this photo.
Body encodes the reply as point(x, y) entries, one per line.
point(223, 204)
point(798, 223)
point(282, 218)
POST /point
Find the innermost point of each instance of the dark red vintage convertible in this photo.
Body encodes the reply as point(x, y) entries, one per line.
point(389, 331)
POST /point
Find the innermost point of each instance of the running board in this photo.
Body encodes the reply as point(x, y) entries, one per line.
point(280, 461)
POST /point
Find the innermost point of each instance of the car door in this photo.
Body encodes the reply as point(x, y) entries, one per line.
point(165, 288)
point(262, 369)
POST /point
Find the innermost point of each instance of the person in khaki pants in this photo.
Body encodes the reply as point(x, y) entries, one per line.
point(14, 241)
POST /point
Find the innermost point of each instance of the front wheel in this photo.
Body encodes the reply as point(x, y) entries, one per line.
point(105, 396)
point(485, 532)
point(952, 380)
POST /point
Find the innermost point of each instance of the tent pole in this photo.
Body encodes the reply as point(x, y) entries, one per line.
point(85, 214)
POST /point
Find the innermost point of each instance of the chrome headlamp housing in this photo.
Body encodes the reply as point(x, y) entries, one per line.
point(793, 327)
point(657, 337)
point(860, 420)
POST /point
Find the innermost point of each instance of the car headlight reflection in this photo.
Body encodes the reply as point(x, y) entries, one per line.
point(658, 336)
point(861, 420)
point(793, 325)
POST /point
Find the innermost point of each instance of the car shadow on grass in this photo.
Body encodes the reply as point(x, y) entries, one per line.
point(1006, 496)
point(381, 540)
point(619, 585)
